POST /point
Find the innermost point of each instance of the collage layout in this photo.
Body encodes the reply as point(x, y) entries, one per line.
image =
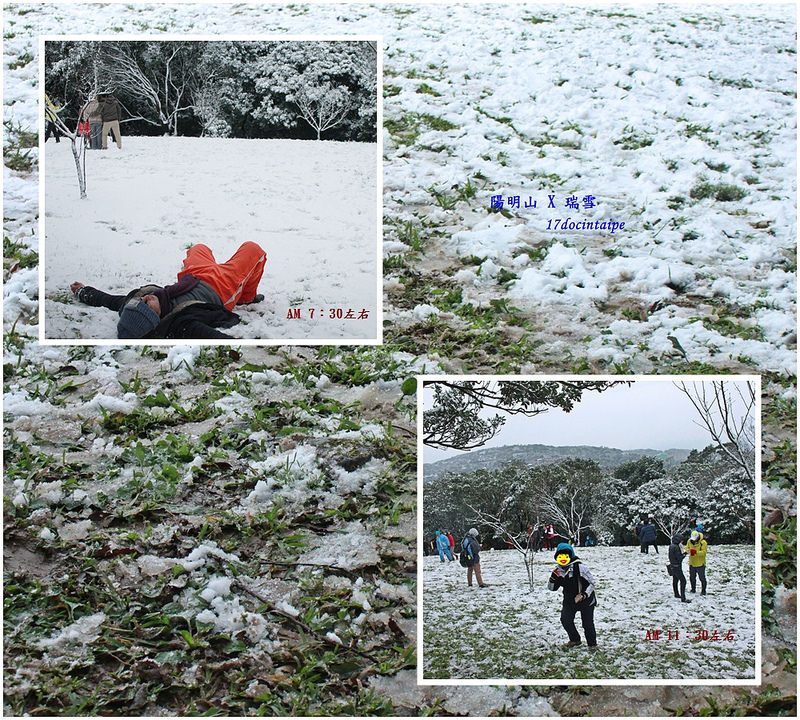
point(399, 359)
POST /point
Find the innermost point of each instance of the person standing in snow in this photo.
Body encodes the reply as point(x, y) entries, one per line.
point(110, 114)
point(471, 550)
point(452, 541)
point(647, 536)
point(550, 536)
point(201, 301)
point(577, 583)
point(51, 120)
point(676, 555)
point(93, 115)
point(696, 547)
point(443, 546)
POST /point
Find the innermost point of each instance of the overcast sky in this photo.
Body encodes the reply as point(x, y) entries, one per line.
point(648, 414)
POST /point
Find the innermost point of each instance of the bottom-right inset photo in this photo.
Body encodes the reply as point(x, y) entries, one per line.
point(589, 530)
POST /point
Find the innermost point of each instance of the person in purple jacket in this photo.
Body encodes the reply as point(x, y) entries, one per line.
point(190, 308)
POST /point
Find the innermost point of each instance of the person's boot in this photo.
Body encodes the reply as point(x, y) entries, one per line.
point(683, 599)
point(571, 643)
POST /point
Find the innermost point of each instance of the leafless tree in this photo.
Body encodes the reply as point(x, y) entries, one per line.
point(518, 540)
point(322, 106)
point(728, 416)
point(76, 140)
point(166, 87)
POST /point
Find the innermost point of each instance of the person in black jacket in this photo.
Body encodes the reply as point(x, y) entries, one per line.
point(647, 536)
point(676, 555)
point(191, 308)
point(579, 596)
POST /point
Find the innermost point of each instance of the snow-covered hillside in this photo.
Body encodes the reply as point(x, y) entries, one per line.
point(505, 631)
point(310, 205)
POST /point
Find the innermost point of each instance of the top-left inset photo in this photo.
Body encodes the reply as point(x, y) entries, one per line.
point(224, 190)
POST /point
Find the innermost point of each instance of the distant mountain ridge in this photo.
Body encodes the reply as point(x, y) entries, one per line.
point(494, 458)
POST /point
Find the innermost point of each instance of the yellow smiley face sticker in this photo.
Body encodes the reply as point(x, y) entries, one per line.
point(562, 559)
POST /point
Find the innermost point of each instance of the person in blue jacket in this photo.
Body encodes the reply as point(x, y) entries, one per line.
point(647, 536)
point(443, 546)
point(577, 582)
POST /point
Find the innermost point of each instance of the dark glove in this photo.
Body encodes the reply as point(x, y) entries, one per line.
point(555, 578)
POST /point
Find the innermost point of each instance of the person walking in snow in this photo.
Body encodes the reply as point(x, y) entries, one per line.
point(443, 546)
point(200, 302)
point(676, 555)
point(452, 541)
point(471, 557)
point(696, 547)
point(647, 536)
point(636, 532)
point(571, 575)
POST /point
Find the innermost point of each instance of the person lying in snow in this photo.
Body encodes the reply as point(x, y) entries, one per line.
point(194, 307)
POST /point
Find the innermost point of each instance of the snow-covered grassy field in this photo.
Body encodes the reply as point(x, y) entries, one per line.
point(505, 631)
point(630, 104)
point(310, 205)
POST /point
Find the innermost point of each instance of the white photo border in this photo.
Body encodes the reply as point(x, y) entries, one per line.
point(236, 342)
point(422, 379)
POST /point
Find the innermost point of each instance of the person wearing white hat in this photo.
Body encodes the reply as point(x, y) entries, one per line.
point(696, 548)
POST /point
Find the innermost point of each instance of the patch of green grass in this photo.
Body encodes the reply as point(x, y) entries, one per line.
point(16, 255)
point(723, 192)
point(18, 147)
point(633, 139)
point(21, 61)
point(391, 90)
point(408, 127)
point(534, 20)
point(717, 167)
point(729, 328)
point(426, 89)
point(676, 202)
point(737, 83)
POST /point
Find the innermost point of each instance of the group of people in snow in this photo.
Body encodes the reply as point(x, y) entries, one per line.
point(541, 538)
point(196, 306)
point(445, 545)
point(100, 116)
point(575, 580)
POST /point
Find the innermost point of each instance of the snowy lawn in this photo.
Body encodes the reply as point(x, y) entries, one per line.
point(503, 631)
point(310, 205)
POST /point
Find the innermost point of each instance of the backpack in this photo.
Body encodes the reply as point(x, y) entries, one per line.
point(465, 558)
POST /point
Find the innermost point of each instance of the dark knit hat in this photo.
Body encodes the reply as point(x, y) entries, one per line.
point(564, 548)
point(136, 320)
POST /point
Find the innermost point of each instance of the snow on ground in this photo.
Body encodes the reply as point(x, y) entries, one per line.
point(505, 631)
point(310, 205)
point(630, 104)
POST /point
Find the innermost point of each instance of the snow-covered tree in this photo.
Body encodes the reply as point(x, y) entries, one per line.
point(322, 106)
point(728, 508)
point(566, 494)
point(160, 75)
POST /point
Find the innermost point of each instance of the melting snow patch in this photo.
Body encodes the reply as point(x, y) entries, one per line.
point(81, 632)
point(350, 550)
point(75, 531)
point(179, 355)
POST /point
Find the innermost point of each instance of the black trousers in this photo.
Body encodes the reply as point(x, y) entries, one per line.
point(568, 612)
point(678, 578)
point(697, 572)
